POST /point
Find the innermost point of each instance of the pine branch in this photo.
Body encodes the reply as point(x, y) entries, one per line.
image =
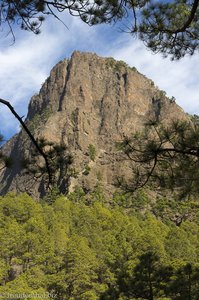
point(42, 153)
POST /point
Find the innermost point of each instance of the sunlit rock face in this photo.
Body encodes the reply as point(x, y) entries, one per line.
point(88, 101)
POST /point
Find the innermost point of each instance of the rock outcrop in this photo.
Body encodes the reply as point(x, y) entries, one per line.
point(88, 103)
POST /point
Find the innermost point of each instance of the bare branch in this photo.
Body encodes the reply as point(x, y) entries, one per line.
point(42, 153)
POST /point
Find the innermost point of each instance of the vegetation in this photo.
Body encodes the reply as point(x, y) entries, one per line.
point(117, 65)
point(85, 249)
point(170, 27)
point(164, 156)
point(92, 152)
point(59, 166)
point(39, 119)
point(4, 159)
point(86, 170)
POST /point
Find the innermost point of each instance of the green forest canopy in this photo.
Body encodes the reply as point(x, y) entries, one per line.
point(75, 249)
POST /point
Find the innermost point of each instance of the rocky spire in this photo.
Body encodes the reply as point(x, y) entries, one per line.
point(88, 103)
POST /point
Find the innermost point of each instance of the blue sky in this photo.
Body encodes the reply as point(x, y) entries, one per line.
point(25, 65)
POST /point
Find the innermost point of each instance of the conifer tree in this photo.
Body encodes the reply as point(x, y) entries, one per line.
point(170, 27)
point(164, 156)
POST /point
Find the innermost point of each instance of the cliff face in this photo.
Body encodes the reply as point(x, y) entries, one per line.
point(88, 102)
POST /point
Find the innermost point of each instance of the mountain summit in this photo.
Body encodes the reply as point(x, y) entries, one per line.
point(88, 103)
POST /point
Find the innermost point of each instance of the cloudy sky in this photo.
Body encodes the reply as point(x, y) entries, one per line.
point(25, 65)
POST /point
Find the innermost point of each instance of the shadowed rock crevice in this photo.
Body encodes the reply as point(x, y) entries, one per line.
point(156, 108)
point(65, 87)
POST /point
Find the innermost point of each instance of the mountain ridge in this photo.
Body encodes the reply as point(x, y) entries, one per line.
point(88, 101)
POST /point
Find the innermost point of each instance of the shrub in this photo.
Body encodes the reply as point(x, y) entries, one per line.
point(92, 152)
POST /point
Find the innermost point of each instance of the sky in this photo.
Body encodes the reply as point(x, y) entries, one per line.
point(26, 64)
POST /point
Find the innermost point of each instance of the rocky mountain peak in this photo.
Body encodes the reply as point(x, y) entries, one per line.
point(89, 103)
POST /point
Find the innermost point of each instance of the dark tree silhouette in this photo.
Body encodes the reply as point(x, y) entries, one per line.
point(164, 156)
point(6, 161)
point(59, 161)
point(149, 277)
point(170, 27)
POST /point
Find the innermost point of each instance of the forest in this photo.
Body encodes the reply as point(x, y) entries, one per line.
point(91, 247)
